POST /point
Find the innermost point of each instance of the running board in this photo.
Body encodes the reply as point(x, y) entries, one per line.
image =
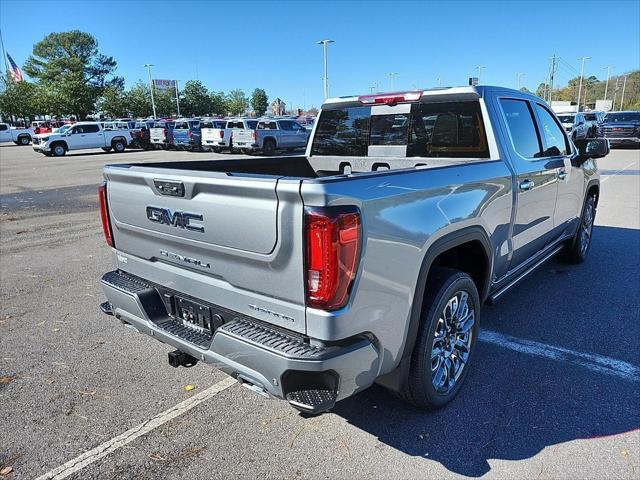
point(493, 298)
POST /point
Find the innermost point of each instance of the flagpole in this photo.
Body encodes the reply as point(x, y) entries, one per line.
point(4, 55)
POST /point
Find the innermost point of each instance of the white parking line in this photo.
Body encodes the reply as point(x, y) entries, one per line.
point(592, 361)
point(87, 458)
point(607, 177)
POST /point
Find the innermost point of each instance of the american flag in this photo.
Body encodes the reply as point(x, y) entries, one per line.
point(15, 72)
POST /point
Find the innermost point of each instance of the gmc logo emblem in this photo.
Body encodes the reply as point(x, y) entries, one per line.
point(176, 219)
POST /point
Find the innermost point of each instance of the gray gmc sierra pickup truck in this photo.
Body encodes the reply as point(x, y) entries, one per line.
point(309, 278)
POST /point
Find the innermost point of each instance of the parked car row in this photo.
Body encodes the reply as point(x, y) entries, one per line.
point(266, 135)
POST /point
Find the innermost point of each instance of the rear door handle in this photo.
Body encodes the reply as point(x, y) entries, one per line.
point(562, 175)
point(526, 185)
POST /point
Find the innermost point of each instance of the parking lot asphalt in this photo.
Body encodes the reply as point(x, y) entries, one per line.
point(554, 391)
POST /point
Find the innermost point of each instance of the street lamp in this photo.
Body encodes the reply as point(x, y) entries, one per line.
point(153, 102)
point(325, 44)
point(392, 78)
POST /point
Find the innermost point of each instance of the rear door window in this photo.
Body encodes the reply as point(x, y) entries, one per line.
point(521, 126)
point(91, 128)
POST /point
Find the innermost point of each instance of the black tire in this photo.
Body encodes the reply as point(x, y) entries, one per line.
point(246, 151)
point(269, 147)
point(443, 286)
point(58, 150)
point(24, 140)
point(217, 150)
point(206, 148)
point(118, 146)
point(578, 248)
point(106, 149)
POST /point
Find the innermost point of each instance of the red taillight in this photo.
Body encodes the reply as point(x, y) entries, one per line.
point(221, 133)
point(164, 132)
point(333, 248)
point(254, 135)
point(387, 98)
point(104, 213)
point(190, 134)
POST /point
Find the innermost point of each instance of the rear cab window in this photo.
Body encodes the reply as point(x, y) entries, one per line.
point(182, 125)
point(427, 129)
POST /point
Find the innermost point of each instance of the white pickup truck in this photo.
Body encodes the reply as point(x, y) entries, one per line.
point(82, 136)
point(19, 136)
point(215, 135)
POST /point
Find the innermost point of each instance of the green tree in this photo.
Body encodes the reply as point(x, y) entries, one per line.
point(17, 98)
point(113, 102)
point(218, 103)
point(70, 63)
point(259, 101)
point(237, 102)
point(542, 90)
point(165, 103)
point(195, 99)
point(138, 100)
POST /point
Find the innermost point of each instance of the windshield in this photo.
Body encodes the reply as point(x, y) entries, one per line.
point(566, 118)
point(622, 117)
point(446, 129)
point(63, 128)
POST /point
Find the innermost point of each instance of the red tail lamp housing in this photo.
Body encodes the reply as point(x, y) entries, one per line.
point(104, 213)
point(221, 133)
point(333, 242)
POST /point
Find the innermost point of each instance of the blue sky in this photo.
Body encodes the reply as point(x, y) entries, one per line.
point(272, 44)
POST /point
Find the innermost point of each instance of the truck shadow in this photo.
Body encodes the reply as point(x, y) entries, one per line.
point(514, 404)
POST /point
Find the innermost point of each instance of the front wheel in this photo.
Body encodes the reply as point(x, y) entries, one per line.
point(24, 140)
point(578, 248)
point(446, 339)
point(58, 150)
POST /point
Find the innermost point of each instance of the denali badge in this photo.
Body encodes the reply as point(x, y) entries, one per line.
point(190, 260)
point(177, 219)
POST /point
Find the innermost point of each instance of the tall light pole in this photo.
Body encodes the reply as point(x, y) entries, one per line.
point(177, 99)
point(581, 75)
point(606, 86)
point(615, 94)
point(519, 75)
point(392, 78)
point(153, 102)
point(624, 85)
point(479, 68)
point(325, 43)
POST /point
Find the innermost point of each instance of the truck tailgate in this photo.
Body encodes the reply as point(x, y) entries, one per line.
point(239, 237)
point(244, 136)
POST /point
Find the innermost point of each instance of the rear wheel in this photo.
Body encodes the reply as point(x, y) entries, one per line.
point(578, 249)
point(269, 147)
point(217, 150)
point(446, 339)
point(118, 146)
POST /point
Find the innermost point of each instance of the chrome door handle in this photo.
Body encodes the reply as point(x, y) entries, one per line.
point(562, 175)
point(526, 185)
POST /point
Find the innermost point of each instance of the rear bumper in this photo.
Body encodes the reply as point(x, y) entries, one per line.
point(274, 359)
point(215, 143)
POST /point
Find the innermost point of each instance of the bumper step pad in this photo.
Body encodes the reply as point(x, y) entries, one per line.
point(312, 402)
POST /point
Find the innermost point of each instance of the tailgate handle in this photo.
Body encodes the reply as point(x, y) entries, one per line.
point(169, 187)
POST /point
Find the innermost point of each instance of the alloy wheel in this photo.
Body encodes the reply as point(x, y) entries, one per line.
point(452, 342)
point(586, 227)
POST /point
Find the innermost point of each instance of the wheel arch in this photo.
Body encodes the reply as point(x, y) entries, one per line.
point(473, 237)
point(593, 188)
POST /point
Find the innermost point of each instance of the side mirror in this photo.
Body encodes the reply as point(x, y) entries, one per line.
point(592, 148)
